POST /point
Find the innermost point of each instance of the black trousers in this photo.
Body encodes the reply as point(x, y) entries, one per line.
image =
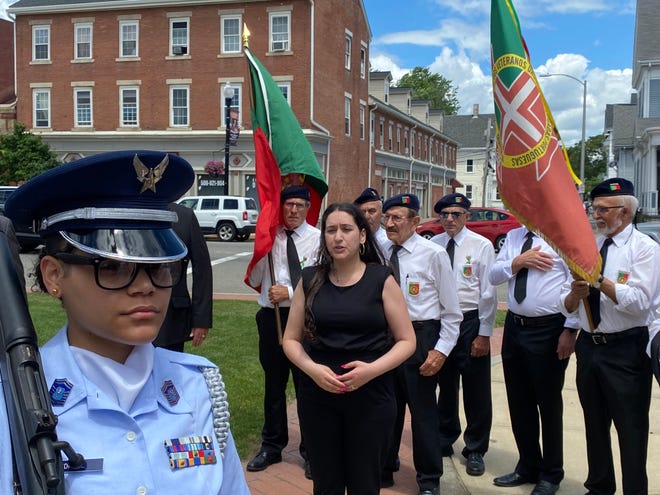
point(276, 366)
point(477, 402)
point(347, 435)
point(534, 378)
point(419, 393)
point(614, 385)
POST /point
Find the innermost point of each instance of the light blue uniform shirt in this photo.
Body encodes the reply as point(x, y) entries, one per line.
point(131, 445)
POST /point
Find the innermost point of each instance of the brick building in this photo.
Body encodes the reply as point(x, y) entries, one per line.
point(99, 75)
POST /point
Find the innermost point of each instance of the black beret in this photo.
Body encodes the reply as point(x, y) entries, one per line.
point(300, 192)
point(369, 194)
point(613, 187)
point(114, 204)
point(453, 199)
point(408, 200)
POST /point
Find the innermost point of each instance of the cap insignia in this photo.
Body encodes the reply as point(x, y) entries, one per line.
point(149, 176)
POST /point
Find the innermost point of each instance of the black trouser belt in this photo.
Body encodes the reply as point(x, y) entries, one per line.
point(600, 338)
point(536, 321)
point(468, 315)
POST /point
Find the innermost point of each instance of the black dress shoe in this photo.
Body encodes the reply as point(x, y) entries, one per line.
point(430, 491)
point(510, 480)
point(475, 464)
point(544, 487)
point(308, 470)
point(262, 460)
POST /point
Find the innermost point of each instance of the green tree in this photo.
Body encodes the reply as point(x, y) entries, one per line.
point(595, 160)
point(23, 155)
point(429, 86)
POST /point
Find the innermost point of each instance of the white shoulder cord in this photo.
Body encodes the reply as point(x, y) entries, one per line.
point(219, 406)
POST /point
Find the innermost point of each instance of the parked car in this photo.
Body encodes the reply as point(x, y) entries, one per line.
point(27, 238)
point(651, 229)
point(229, 217)
point(492, 223)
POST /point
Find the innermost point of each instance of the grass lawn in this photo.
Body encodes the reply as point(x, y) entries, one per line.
point(232, 344)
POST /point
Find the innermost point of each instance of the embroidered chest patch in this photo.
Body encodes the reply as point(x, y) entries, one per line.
point(622, 277)
point(59, 391)
point(413, 288)
point(170, 392)
point(190, 451)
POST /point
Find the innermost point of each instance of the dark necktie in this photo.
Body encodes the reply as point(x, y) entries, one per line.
point(450, 251)
point(520, 288)
point(594, 294)
point(292, 259)
point(394, 263)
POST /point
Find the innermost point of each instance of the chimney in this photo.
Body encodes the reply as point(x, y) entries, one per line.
point(475, 110)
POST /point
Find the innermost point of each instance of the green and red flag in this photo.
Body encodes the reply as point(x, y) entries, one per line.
point(534, 176)
point(283, 158)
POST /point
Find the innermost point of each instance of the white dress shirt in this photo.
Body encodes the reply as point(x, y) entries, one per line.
point(473, 257)
point(306, 239)
point(543, 288)
point(633, 265)
point(429, 288)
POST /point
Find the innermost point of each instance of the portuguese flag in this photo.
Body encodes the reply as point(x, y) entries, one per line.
point(534, 176)
point(283, 158)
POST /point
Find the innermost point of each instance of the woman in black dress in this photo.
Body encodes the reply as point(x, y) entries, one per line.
point(348, 328)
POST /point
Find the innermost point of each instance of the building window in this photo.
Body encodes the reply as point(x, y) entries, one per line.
point(179, 106)
point(381, 132)
point(83, 110)
point(468, 191)
point(280, 31)
point(654, 98)
point(390, 132)
point(83, 41)
point(41, 105)
point(179, 37)
point(347, 115)
point(469, 166)
point(235, 101)
point(347, 51)
point(285, 88)
point(398, 140)
point(231, 34)
point(386, 91)
point(363, 61)
point(40, 42)
point(129, 107)
point(362, 110)
point(128, 38)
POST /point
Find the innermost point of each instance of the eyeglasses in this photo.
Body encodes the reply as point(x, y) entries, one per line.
point(295, 204)
point(454, 214)
point(395, 218)
point(601, 210)
point(114, 275)
point(370, 211)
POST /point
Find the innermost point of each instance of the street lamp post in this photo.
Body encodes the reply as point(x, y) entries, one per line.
point(584, 121)
point(228, 93)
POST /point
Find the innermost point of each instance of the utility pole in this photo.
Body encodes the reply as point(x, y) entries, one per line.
point(486, 163)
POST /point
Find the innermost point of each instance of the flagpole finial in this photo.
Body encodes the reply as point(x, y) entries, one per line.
point(246, 35)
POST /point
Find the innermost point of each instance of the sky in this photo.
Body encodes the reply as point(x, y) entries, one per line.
point(591, 40)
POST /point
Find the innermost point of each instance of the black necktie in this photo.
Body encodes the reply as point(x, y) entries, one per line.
point(394, 263)
point(594, 294)
point(520, 288)
point(292, 259)
point(450, 251)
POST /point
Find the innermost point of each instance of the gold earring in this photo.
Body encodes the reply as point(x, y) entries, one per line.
point(363, 249)
point(55, 291)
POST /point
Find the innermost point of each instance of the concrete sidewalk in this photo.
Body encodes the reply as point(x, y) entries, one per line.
point(287, 478)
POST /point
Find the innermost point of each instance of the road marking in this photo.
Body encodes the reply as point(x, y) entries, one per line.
point(224, 260)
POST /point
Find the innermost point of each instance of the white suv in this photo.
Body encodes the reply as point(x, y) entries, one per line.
point(230, 217)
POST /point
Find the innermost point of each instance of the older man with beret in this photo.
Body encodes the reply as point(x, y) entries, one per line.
point(296, 245)
point(371, 206)
point(471, 256)
point(424, 273)
point(613, 370)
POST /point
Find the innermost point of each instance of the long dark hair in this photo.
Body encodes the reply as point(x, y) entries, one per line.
point(371, 253)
